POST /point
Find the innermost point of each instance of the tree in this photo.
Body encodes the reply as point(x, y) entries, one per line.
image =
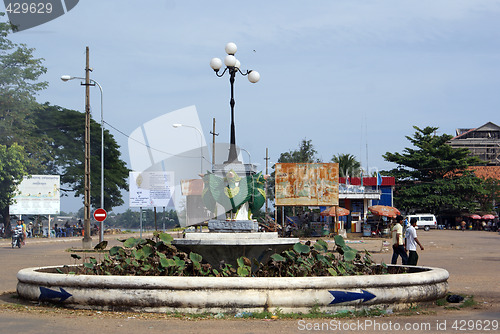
point(433, 176)
point(19, 73)
point(305, 154)
point(348, 165)
point(65, 130)
point(13, 167)
point(492, 195)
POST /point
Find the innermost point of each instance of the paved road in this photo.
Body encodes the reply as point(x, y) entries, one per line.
point(471, 257)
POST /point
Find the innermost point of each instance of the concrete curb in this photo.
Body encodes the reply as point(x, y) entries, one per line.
point(233, 294)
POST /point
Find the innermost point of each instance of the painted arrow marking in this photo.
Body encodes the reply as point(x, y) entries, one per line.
point(344, 296)
point(46, 294)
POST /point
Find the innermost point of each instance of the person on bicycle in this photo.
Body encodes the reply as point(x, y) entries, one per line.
point(19, 230)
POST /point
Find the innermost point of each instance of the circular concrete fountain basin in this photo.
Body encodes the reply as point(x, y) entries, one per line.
point(233, 294)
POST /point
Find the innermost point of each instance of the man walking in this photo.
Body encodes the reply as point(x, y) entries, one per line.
point(397, 242)
point(411, 242)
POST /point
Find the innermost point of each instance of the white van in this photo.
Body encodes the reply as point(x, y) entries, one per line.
point(425, 220)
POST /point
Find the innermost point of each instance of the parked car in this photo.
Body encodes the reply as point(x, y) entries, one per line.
point(424, 220)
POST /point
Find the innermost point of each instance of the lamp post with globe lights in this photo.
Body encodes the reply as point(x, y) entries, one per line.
point(232, 67)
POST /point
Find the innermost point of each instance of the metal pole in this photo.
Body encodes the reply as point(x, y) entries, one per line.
point(156, 226)
point(140, 222)
point(101, 229)
point(213, 144)
point(87, 240)
point(233, 156)
point(48, 235)
point(267, 173)
point(282, 221)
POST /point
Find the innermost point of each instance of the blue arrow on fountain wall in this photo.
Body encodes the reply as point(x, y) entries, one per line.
point(344, 296)
point(47, 294)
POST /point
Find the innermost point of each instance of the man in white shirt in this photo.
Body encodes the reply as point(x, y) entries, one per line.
point(411, 242)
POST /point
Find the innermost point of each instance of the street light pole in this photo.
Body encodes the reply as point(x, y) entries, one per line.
point(177, 125)
point(232, 67)
point(249, 156)
point(93, 82)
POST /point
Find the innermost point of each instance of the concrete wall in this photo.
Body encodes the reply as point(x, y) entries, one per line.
point(233, 294)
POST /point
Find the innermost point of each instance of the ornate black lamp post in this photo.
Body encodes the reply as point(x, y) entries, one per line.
point(233, 67)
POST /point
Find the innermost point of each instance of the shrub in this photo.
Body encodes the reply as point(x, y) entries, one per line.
point(158, 257)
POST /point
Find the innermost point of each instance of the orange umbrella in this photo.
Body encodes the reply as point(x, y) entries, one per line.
point(335, 211)
point(488, 216)
point(382, 210)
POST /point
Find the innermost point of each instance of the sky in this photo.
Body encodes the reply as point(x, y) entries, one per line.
point(352, 76)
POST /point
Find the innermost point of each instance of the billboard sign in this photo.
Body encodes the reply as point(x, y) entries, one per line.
point(307, 184)
point(38, 195)
point(151, 189)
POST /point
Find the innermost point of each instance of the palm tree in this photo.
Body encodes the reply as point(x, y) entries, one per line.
point(348, 165)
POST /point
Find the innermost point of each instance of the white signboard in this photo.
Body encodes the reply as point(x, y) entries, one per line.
point(38, 195)
point(150, 189)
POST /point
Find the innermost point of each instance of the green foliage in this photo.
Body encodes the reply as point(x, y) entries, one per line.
point(305, 154)
point(348, 165)
point(244, 268)
point(314, 259)
point(65, 131)
point(277, 258)
point(301, 248)
point(14, 166)
point(433, 176)
point(19, 73)
point(491, 197)
point(159, 257)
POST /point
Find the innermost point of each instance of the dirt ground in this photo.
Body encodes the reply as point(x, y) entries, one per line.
point(471, 257)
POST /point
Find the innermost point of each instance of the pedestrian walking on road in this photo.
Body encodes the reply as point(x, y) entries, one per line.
point(398, 243)
point(411, 242)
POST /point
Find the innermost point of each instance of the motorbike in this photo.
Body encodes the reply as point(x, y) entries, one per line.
point(16, 240)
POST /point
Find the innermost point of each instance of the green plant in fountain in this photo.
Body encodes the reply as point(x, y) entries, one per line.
point(314, 259)
point(158, 257)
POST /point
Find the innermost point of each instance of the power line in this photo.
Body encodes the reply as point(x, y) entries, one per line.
point(150, 147)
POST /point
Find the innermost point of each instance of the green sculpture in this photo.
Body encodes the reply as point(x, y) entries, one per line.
point(233, 191)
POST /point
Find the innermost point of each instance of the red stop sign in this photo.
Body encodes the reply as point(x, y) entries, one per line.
point(100, 215)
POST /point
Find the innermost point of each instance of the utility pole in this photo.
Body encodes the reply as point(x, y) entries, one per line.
point(267, 176)
point(213, 143)
point(87, 240)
